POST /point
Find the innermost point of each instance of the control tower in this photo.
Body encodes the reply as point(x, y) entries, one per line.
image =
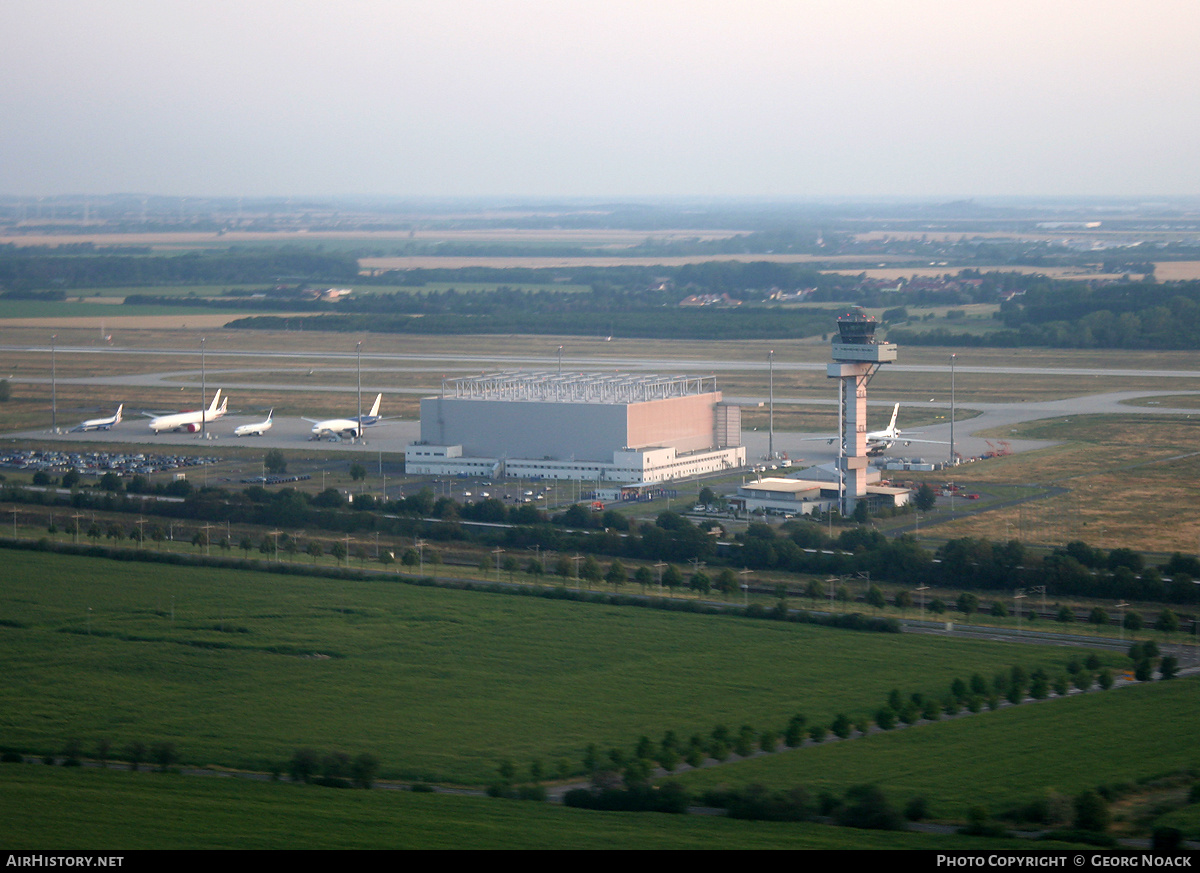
point(857, 356)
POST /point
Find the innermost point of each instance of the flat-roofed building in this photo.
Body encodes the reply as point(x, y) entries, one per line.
point(591, 426)
point(803, 496)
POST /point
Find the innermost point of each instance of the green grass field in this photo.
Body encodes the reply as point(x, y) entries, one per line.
point(45, 808)
point(439, 685)
point(1000, 759)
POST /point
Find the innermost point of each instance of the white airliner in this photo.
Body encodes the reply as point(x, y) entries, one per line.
point(254, 429)
point(345, 428)
point(100, 423)
point(190, 422)
point(879, 441)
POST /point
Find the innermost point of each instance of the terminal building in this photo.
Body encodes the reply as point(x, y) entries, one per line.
point(804, 496)
point(589, 426)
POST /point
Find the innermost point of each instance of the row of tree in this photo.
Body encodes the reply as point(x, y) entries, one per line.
point(798, 546)
point(22, 270)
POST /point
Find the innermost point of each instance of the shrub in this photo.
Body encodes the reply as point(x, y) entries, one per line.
point(865, 806)
point(917, 809)
point(757, 803)
point(1168, 667)
point(794, 735)
point(1165, 839)
point(980, 824)
point(886, 718)
point(671, 797)
point(1091, 812)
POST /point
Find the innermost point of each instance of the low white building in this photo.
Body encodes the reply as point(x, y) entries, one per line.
point(804, 496)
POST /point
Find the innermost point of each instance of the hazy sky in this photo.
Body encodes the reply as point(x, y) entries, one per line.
point(645, 98)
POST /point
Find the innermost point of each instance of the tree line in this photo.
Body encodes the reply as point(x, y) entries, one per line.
point(797, 546)
point(23, 271)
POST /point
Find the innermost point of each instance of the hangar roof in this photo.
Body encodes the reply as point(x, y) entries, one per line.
point(544, 385)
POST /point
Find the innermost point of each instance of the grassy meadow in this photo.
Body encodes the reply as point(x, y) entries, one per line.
point(240, 668)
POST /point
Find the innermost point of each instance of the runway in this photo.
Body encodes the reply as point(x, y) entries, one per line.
point(393, 436)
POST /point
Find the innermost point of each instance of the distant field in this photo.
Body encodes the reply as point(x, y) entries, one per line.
point(615, 259)
point(1000, 759)
point(582, 236)
point(241, 668)
point(1176, 271)
point(469, 288)
point(953, 269)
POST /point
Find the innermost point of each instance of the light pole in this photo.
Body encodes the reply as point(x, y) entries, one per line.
point(203, 393)
point(53, 383)
point(358, 353)
point(952, 455)
point(560, 348)
point(744, 574)
point(771, 407)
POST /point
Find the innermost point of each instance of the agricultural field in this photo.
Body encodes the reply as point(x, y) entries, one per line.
point(241, 668)
point(1002, 759)
point(42, 807)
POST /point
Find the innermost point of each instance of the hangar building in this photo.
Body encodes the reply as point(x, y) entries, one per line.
point(591, 426)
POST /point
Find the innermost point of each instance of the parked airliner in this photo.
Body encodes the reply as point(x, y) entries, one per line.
point(190, 422)
point(257, 429)
point(879, 441)
point(345, 428)
point(100, 423)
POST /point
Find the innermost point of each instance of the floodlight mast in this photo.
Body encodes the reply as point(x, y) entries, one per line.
point(771, 410)
point(857, 356)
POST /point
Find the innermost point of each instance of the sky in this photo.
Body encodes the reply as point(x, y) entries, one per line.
point(781, 99)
